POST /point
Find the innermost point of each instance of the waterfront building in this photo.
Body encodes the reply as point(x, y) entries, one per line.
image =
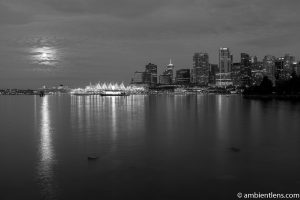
point(257, 76)
point(245, 64)
point(288, 62)
point(183, 76)
point(288, 66)
point(284, 67)
point(213, 69)
point(236, 74)
point(269, 67)
point(245, 70)
point(253, 59)
point(137, 77)
point(297, 68)
point(141, 78)
point(223, 79)
point(225, 60)
point(200, 68)
point(169, 71)
point(152, 69)
point(165, 79)
point(279, 69)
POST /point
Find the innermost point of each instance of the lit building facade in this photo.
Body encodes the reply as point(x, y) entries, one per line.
point(224, 79)
point(169, 71)
point(152, 69)
point(236, 73)
point(165, 79)
point(288, 67)
point(213, 69)
point(225, 60)
point(183, 77)
point(245, 70)
point(200, 68)
point(141, 78)
point(279, 69)
point(297, 68)
point(269, 67)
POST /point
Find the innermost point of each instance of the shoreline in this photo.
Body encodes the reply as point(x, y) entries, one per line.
point(256, 97)
point(273, 96)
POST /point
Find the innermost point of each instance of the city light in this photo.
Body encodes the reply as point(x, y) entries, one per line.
point(100, 87)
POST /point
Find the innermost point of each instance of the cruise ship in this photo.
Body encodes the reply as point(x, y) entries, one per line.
point(105, 89)
point(113, 93)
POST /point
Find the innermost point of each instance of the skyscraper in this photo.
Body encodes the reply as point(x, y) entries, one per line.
point(279, 69)
point(245, 69)
point(213, 69)
point(253, 59)
point(183, 76)
point(288, 67)
point(297, 68)
point(236, 74)
point(141, 78)
point(245, 60)
point(164, 79)
point(152, 69)
point(169, 71)
point(269, 67)
point(225, 60)
point(200, 68)
point(284, 67)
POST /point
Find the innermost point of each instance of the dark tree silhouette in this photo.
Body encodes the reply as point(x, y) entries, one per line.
point(266, 86)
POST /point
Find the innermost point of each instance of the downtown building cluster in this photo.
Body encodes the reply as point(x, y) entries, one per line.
point(245, 73)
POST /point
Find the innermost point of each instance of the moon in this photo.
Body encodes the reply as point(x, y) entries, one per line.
point(45, 56)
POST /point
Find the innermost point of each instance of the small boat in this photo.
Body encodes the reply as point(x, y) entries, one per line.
point(92, 157)
point(113, 93)
point(234, 149)
point(42, 93)
point(81, 94)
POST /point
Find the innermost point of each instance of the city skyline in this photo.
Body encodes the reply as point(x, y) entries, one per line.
point(77, 42)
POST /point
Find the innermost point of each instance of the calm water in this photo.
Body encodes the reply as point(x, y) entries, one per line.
point(148, 147)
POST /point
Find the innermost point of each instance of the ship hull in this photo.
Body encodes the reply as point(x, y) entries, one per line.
point(113, 93)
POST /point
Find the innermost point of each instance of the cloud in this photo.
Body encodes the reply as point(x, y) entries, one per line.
point(120, 8)
point(161, 19)
point(10, 16)
point(91, 34)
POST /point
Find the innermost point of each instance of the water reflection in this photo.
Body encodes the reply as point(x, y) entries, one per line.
point(222, 116)
point(113, 117)
point(156, 143)
point(105, 121)
point(47, 156)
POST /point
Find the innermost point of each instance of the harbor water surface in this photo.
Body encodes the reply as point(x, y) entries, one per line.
point(147, 147)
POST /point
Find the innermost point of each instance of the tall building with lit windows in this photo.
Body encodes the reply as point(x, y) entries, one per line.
point(225, 60)
point(169, 73)
point(223, 77)
point(183, 77)
point(288, 67)
point(269, 67)
point(245, 69)
point(200, 68)
point(152, 69)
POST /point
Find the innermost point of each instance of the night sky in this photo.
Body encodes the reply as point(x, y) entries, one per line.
point(74, 42)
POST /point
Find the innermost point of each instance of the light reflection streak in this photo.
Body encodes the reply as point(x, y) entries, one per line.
point(88, 113)
point(47, 157)
point(221, 121)
point(134, 109)
point(113, 117)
